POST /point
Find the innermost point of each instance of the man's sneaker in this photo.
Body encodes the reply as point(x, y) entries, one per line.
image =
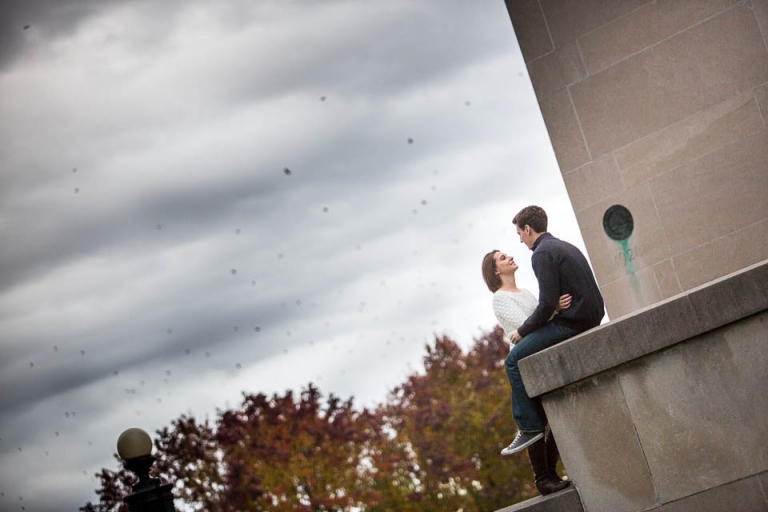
point(522, 440)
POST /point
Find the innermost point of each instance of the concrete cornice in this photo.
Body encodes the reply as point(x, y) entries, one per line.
point(684, 316)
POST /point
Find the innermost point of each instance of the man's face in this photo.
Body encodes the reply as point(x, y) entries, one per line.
point(526, 235)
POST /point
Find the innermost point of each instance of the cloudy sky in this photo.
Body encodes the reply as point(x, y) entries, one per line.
point(199, 199)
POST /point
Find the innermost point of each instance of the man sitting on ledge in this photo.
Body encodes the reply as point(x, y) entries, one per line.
point(560, 269)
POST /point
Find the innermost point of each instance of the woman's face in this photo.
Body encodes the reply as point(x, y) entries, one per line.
point(505, 264)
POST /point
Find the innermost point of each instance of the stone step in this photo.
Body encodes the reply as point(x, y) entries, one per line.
point(566, 500)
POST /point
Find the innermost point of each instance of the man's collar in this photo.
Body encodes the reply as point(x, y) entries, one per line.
point(545, 234)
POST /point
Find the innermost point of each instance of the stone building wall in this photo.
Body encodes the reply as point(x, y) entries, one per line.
point(660, 107)
point(665, 409)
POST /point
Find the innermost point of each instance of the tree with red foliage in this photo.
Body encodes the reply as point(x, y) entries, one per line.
point(434, 445)
point(187, 454)
point(288, 454)
point(454, 421)
point(273, 454)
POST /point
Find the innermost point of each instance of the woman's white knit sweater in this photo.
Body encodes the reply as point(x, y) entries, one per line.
point(512, 308)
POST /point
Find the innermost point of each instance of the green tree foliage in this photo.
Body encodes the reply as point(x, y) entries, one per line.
point(433, 445)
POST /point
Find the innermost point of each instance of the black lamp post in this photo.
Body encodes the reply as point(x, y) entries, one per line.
point(149, 495)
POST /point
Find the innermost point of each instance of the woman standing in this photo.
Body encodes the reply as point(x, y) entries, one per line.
point(512, 306)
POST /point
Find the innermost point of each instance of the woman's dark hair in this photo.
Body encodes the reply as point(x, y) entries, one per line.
point(533, 216)
point(492, 280)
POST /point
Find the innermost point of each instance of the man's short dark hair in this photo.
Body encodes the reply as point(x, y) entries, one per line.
point(533, 216)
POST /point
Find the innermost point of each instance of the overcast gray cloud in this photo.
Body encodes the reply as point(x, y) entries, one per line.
point(56, 19)
point(202, 199)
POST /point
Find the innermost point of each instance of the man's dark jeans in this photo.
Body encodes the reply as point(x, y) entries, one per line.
point(527, 412)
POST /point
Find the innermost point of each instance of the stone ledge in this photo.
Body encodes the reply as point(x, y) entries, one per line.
point(742, 495)
point(563, 501)
point(654, 328)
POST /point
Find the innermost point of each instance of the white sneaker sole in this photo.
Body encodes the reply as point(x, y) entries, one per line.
point(506, 451)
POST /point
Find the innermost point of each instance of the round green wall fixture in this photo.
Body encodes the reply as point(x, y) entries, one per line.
point(618, 223)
